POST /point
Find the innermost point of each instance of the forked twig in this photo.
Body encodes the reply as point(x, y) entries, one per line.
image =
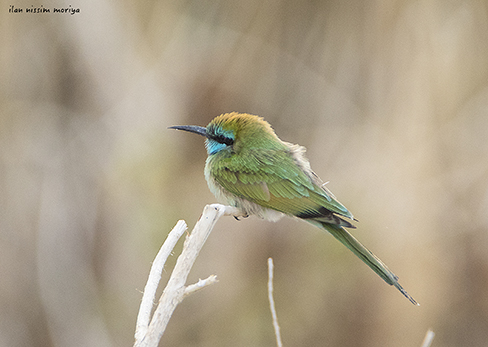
point(148, 334)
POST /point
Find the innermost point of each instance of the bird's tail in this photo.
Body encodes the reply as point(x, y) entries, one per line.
point(366, 256)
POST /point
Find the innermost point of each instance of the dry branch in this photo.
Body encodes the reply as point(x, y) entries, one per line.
point(429, 337)
point(272, 304)
point(148, 334)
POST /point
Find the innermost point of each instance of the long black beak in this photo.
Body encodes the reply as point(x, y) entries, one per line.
point(191, 128)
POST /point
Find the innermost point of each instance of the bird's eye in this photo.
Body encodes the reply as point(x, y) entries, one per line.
point(224, 140)
point(220, 135)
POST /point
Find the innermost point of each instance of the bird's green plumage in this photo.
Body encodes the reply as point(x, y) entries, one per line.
point(252, 169)
point(267, 171)
point(272, 179)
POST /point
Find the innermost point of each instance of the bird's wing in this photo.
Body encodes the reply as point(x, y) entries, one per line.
point(272, 179)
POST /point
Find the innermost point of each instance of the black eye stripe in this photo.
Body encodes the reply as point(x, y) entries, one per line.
point(222, 139)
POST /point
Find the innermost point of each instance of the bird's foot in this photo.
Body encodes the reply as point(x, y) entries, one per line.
point(237, 217)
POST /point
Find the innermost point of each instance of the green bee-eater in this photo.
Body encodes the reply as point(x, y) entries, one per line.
point(250, 168)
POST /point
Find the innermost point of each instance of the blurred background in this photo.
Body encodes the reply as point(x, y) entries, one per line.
point(389, 97)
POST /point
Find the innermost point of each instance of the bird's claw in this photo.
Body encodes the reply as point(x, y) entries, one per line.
point(237, 217)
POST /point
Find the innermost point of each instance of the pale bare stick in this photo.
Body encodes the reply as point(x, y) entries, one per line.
point(176, 290)
point(272, 304)
point(192, 288)
point(429, 337)
point(149, 294)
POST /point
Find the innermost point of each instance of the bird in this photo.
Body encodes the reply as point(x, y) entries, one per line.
point(250, 168)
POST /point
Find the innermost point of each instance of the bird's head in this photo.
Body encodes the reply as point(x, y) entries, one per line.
point(234, 132)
